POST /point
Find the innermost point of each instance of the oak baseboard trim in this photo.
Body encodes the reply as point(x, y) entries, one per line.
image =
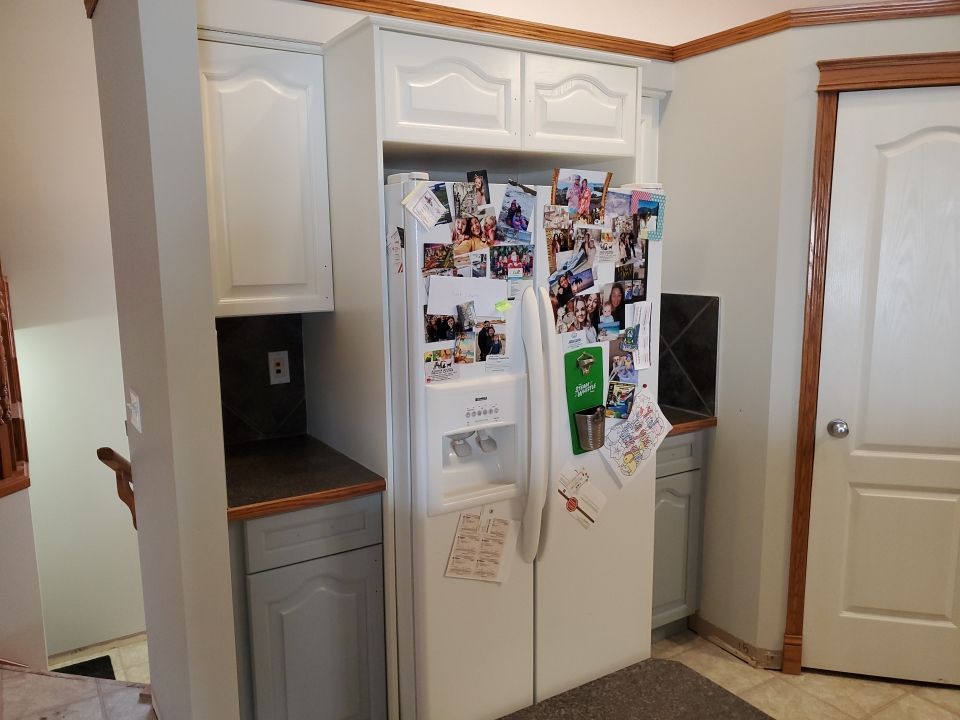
point(750, 654)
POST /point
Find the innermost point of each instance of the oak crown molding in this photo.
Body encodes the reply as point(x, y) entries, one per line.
point(836, 76)
point(808, 17)
point(471, 20)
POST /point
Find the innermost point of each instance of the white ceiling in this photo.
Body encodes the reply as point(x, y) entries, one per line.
point(669, 22)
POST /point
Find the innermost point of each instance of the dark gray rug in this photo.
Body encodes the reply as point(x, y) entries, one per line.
point(650, 690)
point(98, 667)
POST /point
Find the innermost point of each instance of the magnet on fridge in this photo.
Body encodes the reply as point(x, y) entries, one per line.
point(585, 362)
point(583, 373)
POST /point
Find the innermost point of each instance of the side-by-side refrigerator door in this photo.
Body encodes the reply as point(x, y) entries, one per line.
point(468, 439)
point(594, 584)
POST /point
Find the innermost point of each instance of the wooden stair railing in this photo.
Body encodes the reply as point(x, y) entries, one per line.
point(121, 466)
point(13, 440)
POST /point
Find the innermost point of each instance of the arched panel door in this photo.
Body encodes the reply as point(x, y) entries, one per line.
point(883, 573)
point(579, 107)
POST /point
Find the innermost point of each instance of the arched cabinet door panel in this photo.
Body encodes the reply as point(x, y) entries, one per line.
point(579, 107)
point(317, 634)
point(439, 92)
point(266, 165)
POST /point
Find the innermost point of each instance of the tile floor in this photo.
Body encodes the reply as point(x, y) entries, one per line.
point(812, 695)
point(128, 655)
point(45, 696)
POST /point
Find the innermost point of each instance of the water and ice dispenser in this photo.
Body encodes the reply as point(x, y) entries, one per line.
point(476, 436)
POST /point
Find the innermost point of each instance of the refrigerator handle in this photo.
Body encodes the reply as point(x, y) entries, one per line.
point(531, 326)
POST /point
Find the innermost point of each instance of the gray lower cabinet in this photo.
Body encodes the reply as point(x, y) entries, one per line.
point(676, 549)
point(317, 636)
point(309, 615)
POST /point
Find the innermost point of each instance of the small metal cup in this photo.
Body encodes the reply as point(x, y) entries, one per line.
point(591, 425)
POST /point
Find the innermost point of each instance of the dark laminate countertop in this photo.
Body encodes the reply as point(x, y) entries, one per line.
point(684, 421)
point(273, 476)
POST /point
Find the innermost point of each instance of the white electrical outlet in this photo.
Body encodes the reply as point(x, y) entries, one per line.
point(133, 411)
point(279, 367)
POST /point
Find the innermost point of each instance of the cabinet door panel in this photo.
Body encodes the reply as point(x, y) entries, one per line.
point(578, 106)
point(448, 93)
point(266, 165)
point(676, 548)
point(317, 635)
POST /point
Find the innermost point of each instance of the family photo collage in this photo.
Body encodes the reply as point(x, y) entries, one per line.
point(485, 241)
point(597, 251)
point(596, 243)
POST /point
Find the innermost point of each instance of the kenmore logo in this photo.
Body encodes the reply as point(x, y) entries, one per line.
point(480, 398)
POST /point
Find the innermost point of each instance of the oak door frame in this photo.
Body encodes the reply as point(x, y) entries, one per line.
point(836, 76)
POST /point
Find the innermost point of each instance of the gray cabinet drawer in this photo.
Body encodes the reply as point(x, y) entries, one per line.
point(293, 537)
point(680, 453)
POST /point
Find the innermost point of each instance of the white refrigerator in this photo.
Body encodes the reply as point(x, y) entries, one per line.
point(577, 602)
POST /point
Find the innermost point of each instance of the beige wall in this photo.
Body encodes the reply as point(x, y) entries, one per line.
point(736, 160)
point(720, 146)
point(21, 619)
point(55, 248)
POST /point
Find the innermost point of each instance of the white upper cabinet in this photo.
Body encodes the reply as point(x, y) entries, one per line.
point(579, 106)
point(266, 164)
point(440, 92)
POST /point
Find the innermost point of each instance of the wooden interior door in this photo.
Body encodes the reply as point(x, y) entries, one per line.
point(883, 593)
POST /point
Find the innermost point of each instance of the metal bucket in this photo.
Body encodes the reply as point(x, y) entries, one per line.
point(591, 425)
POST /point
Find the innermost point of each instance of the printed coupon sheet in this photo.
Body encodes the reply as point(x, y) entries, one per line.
point(482, 548)
point(629, 445)
point(425, 205)
point(439, 365)
point(582, 500)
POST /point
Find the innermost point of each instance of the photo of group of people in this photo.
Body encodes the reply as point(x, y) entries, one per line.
point(438, 328)
point(474, 339)
point(476, 231)
point(601, 314)
point(490, 341)
point(479, 345)
point(516, 213)
point(511, 262)
point(574, 276)
point(583, 192)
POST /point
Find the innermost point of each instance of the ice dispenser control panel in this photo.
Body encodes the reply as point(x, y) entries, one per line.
point(475, 449)
point(482, 411)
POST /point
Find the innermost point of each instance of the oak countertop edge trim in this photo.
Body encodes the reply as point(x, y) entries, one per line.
point(689, 426)
point(300, 502)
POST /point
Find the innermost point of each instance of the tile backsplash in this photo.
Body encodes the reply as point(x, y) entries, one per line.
point(253, 409)
point(689, 326)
